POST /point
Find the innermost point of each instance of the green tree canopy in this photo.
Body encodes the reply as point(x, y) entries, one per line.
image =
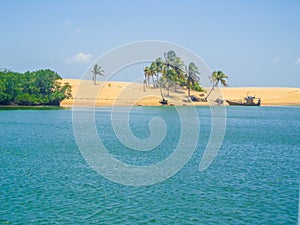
point(219, 77)
point(172, 71)
point(192, 77)
point(41, 87)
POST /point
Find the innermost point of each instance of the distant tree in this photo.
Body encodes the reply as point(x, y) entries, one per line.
point(60, 93)
point(158, 66)
point(169, 57)
point(170, 71)
point(41, 87)
point(180, 75)
point(216, 78)
point(192, 73)
point(149, 71)
point(219, 77)
point(97, 70)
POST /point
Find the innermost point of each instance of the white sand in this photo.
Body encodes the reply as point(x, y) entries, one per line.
point(85, 93)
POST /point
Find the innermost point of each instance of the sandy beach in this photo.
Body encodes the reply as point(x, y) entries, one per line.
point(85, 93)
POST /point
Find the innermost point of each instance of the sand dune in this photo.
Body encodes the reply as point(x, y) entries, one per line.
point(128, 94)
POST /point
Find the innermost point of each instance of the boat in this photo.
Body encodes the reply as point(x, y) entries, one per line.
point(247, 101)
point(163, 101)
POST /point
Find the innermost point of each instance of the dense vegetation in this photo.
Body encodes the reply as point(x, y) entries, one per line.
point(41, 87)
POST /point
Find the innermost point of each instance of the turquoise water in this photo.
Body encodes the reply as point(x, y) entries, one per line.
point(253, 180)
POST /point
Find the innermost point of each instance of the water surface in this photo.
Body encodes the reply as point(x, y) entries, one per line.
point(253, 180)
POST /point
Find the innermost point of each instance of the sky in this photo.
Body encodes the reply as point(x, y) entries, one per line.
point(256, 43)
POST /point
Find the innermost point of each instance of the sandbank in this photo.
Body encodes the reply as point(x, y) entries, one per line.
point(85, 93)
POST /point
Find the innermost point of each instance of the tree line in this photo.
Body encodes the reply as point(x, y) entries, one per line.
point(41, 87)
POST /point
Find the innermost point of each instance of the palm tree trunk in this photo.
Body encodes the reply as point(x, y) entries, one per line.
point(144, 85)
point(217, 83)
point(153, 81)
point(175, 87)
point(208, 94)
point(94, 79)
point(156, 81)
point(213, 87)
point(161, 91)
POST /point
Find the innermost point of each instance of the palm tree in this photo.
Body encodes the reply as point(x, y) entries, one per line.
point(153, 72)
point(170, 75)
point(169, 57)
point(192, 73)
point(162, 82)
point(147, 75)
point(180, 72)
point(216, 78)
point(159, 67)
point(172, 69)
point(160, 70)
point(97, 70)
point(150, 71)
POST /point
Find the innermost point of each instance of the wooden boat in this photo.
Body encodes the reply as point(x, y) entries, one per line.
point(247, 101)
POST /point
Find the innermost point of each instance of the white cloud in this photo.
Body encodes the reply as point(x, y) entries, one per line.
point(276, 60)
point(297, 61)
point(79, 58)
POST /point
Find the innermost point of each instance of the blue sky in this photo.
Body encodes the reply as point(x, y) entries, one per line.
point(257, 43)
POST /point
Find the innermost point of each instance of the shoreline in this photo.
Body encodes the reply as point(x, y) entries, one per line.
point(113, 93)
point(46, 107)
point(125, 106)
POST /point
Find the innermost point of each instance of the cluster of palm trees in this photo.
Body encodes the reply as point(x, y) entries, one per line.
point(171, 71)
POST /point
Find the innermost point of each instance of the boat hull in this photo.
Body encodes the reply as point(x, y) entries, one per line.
point(242, 104)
